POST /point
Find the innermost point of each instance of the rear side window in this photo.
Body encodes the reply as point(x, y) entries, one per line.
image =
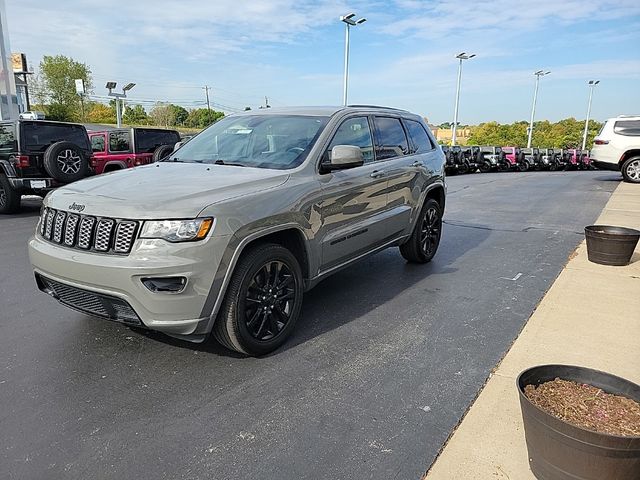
point(97, 143)
point(391, 140)
point(148, 139)
point(355, 132)
point(119, 142)
point(8, 138)
point(420, 140)
point(630, 128)
point(37, 136)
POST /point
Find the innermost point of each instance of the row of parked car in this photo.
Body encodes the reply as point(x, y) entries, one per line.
point(37, 156)
point(474, 158)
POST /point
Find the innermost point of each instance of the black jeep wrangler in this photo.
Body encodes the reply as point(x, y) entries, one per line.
point(37, 156)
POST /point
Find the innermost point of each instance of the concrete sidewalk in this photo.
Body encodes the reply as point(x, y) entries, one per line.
point(589, 317)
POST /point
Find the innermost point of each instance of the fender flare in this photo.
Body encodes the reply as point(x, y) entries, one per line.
point(219, 285)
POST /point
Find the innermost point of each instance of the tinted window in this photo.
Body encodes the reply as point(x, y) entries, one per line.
point(8, 138)
point(274, 141)
point(97, 143)
point(148, 139)
point(419, 137)
point(630, 128)
point(356, 132)
point(119, 142)
point(38, 136)
point(390, 138)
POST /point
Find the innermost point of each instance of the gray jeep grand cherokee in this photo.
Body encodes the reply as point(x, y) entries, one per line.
point(226, 234)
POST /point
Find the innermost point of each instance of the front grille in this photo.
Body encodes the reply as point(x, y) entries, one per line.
point(100, 234)
point(92, 303)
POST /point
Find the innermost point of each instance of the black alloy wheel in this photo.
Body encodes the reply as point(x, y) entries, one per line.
point(269, 300)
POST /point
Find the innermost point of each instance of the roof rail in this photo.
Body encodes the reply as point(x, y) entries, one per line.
point(377, 106)
point(627, 116)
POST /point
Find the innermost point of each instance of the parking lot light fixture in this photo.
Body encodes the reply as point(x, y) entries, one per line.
point(349, 21)
point(592, 84)
point(538, 74)
point(118, 98)
point(461, 56)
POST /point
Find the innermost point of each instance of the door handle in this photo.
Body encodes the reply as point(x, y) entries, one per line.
point(377, 174)
point(417, 164)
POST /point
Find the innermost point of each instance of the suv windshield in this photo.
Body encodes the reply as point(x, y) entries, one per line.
point(263, 141)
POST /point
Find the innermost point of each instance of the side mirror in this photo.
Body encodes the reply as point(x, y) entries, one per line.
point(344, 156)
point(178, 145)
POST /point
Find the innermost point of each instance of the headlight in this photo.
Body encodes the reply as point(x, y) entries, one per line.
point(177, 230)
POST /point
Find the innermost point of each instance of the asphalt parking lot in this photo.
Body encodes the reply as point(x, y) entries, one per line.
point(384, 362)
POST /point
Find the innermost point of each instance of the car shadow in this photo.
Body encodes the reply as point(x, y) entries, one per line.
point(609, 177)
point(357, 290)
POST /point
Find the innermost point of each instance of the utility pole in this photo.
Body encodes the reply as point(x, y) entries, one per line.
point(266, 102)
point(592, 83)
point(461, 56)
point(206, 89)
point(349, 22)
point(538, 74)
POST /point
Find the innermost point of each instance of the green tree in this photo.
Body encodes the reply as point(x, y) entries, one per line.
point(179, 114)
point(202, 117)
point(135, 115)
point(58, 74)
point(100, 113)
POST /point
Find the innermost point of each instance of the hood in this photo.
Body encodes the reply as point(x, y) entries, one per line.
point(162, 190)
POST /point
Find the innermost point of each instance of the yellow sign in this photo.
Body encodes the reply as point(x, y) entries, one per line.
point(19, 62)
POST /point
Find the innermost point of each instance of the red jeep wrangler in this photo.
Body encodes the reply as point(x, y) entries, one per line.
point(130, 147)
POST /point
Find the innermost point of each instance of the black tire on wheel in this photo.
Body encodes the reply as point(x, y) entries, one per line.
point(161, 152)
point(262, 302)
point(631, 170)
point(65, 162)
point(553, 166)
point(425, 238)
point(523, 166)
point(463, 167)
point(9, 198)
point(485, 167)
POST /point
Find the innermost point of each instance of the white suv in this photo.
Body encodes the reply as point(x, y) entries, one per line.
point(617, 147)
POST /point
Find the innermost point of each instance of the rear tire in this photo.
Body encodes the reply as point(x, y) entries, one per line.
point(485, 167)
point(425, 238)
point(631, 170)
point(262, 302)
point(65, 162)
point(161, 152)
point(9, 198)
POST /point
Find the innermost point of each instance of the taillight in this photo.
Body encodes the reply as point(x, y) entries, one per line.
point(94, 162)
point(597, 141)
point(22, 161)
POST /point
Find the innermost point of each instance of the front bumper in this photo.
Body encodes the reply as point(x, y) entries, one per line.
point(119, 277)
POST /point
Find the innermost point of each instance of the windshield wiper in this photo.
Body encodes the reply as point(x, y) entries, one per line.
point(222, 162)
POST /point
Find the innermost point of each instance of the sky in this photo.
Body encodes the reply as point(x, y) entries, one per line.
point(292, 51)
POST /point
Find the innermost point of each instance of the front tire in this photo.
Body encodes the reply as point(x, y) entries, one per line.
point(425, 238)
point(631, 170)
point(9, 198)
point(262, 302)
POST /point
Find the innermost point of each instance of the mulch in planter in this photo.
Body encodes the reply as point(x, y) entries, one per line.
point(586, 406)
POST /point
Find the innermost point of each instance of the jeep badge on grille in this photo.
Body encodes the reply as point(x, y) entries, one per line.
point(76, 206)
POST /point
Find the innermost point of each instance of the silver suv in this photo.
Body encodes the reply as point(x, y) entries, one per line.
point(226, 234)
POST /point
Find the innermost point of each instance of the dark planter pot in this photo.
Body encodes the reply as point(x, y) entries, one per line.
point(608, 245)
point(560, 451)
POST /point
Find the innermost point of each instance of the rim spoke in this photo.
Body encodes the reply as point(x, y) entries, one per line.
point(254, 317)
point(263, 322)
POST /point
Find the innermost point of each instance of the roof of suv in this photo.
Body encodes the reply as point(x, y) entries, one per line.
point(317, 110)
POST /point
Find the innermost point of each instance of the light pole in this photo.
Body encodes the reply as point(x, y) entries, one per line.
point(461, 56)
point(118, 97)
point(349, 22)
point(592, 84)
point(538, 74)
